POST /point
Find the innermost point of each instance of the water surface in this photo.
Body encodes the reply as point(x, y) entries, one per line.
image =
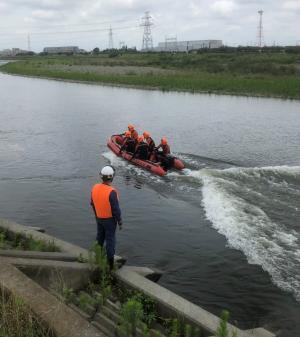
point(225, 231)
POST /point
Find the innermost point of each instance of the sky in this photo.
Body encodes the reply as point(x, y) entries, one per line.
point(86, 23)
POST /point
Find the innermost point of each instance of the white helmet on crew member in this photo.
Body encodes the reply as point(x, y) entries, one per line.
point(107, 173)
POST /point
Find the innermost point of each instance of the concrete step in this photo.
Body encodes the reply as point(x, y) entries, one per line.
point(79, 311)
point(105, 322)
point(26, 254)
point(105, 331)
point(116, 307)
point(111, 314)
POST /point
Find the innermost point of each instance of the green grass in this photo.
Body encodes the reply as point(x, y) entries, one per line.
point(269, 75)
point(16, 319)
point(21, 242)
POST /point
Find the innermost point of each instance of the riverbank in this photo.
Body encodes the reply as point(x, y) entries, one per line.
point(248, 75)
point(78, 287)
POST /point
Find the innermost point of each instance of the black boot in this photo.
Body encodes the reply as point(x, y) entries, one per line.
point(111, 264)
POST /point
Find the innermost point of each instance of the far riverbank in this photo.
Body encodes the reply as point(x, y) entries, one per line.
point(275, 76)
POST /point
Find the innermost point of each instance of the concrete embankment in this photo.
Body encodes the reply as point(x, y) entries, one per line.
point(31, 275)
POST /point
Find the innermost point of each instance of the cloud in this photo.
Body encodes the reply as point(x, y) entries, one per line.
point(234, 21)
point(43, 14)
point(292, 5)
point(223, 7)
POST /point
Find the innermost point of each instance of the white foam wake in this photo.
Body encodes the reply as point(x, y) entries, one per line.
point(275, 247)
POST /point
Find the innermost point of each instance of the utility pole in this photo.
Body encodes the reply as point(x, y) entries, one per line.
point(260, 34)
point(147, 36)
point(110, 39)
point(28, 43)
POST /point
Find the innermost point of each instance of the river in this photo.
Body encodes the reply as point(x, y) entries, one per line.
point(225, 232)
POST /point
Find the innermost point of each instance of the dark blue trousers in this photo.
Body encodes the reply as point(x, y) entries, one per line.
point(106, 232)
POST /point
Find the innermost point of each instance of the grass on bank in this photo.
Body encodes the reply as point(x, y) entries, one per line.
point(21, 242)
point(270, 75)
point(16, 319)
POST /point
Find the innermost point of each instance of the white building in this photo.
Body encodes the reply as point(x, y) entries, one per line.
point(184, 46)
point(13, 52)
point(6, 52)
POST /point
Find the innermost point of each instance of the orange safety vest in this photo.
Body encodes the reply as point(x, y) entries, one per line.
point(134, 134)
point(100, 198)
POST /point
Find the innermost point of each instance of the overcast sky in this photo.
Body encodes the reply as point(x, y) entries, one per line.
point(85, 23)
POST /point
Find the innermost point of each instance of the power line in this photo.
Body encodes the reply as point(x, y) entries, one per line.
point(72, 31)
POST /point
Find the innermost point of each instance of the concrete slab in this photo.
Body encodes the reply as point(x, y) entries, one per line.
point(260, 332)
point(54, 274)
point(60, 318)
point(38, 229)
point(172, 305)
point(150, 274)
point(56, 256)
point(65, 247)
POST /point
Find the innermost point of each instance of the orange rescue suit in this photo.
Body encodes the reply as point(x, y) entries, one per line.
point(100, 198)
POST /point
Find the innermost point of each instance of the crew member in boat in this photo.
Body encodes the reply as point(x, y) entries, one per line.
point(164, 146)
point(141, 150)
point(151, 144)
point(134, 134)
point(163, 154)
point(128, 144)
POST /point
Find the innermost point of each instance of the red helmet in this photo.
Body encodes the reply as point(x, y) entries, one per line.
point(140, 139)
point(127, 133)
point(146, 134)
point(130, 127)
point(164, 141)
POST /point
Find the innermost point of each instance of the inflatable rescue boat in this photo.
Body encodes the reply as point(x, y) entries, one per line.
point(114, 143)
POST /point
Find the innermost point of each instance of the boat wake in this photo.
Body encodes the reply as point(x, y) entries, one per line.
point(256, 209)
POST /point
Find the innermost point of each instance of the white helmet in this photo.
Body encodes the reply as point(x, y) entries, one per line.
point(107, 173)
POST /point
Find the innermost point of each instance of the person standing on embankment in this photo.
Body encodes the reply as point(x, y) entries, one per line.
point(105, 203)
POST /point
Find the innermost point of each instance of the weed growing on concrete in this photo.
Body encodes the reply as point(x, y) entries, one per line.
point(85, 301)
point(68, 294)
point(131, 316)
point(97, 257)
point(2, 240)
point(223, 329)
point(175, 328)
point(22, 242)
point(148, 304)
point(188, 331)
point(149, 307)
point(16, 319)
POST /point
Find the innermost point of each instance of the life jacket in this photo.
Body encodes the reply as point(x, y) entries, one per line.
point(100, 198)
point(166, 149)
point(150, 143)
point(134, 134)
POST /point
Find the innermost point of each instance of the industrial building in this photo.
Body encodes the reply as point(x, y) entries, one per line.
point(182, 46)
point(14, 52)
point(62, 50)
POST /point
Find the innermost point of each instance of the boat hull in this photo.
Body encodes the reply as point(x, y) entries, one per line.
point(114, 143)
